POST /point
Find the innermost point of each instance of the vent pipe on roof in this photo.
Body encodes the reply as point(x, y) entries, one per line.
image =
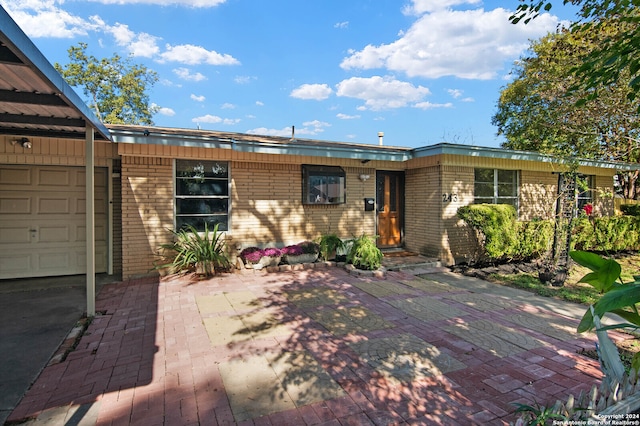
point(380, 138)
point(293, 133)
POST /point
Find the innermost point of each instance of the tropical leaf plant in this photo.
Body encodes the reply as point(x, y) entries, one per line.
point(618, 297)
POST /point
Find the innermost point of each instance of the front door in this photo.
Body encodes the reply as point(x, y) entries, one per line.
point(390, 198)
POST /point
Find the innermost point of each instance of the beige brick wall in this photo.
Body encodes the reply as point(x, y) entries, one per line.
point(423, 211)
point(147, 212)
point(267, 206)
point(538, 192)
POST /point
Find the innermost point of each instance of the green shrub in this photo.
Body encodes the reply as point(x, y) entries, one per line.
point(505, 238)
point(606, 234)
point(328, 245)
point(497, 222)
point(364, 254)
point(630, 209)
point(535, 238)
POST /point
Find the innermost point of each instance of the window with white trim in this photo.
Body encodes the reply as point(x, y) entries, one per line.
point(495, 186)
point(584, 191)
point(202, 194)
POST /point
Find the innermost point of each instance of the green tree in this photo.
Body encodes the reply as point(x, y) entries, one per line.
point(116, 88)
point(541, 109)
point(615, 57)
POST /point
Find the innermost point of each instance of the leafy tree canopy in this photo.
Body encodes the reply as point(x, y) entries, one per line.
point(615, 57)
point(540, 110)
point(117, 89)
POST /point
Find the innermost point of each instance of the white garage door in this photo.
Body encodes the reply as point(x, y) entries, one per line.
point(42, 221)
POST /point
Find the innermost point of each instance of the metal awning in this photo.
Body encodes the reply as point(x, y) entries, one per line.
point(34, 98)
point(36, 101)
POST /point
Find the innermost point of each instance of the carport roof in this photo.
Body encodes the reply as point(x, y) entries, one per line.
point(34, 98)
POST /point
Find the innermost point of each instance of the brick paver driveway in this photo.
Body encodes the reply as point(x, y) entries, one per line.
point(314, 346)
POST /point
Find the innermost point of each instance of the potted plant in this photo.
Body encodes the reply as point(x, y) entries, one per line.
point(271, 256)
point(205, 252)
point(304, 252)
point(364, 254)
point(329, 244)
point(251, 255)
point(259, 258)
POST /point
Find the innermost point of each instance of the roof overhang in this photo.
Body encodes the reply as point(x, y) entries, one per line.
point(34, 98)
point(507, 154)
point(256, 143)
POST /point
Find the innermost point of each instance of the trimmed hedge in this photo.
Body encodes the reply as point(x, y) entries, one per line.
point(506, 238)
point(611, 234)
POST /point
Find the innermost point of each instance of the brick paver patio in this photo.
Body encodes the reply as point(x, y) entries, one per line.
point(314, 346)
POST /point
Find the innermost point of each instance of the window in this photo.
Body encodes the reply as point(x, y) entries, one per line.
point(493, 186)
point(323, 185)
point(202, 194)
point(584, 191)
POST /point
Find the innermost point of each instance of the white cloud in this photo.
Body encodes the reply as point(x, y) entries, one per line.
point(166, 111)
point(467, 100)
point(214, 119)
point(471, 44)
point(341, 25)
point(316, 92)
point(141, 44)
point(381, 92)
point(429, 105)
point(259, 103)
point(285, 132)
point(455, 93)
point(310, 128)
point(193, 55)
point(185, 74)
point(200, 98)
point(244, 79)
point(313, 127)
point(342, 116)
point(227, 105)
point(418, 7)
point(45, 19)
point(188, 3)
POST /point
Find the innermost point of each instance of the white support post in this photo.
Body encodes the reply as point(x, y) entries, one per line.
point(90, 222)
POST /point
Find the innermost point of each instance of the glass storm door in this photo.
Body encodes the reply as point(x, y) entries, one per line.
point(389, 198)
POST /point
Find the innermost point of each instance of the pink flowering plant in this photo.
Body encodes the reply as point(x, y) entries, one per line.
point(294, 250)
point(272, 252)
point(251, 254)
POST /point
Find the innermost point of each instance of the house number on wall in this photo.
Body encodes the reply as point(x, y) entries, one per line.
point(448, 198)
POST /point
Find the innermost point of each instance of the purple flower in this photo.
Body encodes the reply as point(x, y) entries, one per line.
point(251, 254)
point(294, 250)
point(272, 252)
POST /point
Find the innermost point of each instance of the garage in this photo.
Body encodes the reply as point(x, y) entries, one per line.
point(42, 221)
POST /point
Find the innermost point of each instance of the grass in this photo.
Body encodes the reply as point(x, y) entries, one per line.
point(572, 291)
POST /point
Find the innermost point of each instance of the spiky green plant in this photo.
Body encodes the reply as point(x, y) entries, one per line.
point(191, 249)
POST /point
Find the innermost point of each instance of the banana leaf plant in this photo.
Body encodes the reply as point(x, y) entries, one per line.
point(618, 298)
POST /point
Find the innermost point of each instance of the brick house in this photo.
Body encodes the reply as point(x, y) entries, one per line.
point(261, 190)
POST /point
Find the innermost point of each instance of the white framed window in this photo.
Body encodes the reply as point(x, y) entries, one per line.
point(495, 186)
point(584, 190)
point(323, 185)
point(202, 194)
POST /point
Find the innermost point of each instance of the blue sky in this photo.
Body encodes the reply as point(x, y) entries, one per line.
point(421, 71)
